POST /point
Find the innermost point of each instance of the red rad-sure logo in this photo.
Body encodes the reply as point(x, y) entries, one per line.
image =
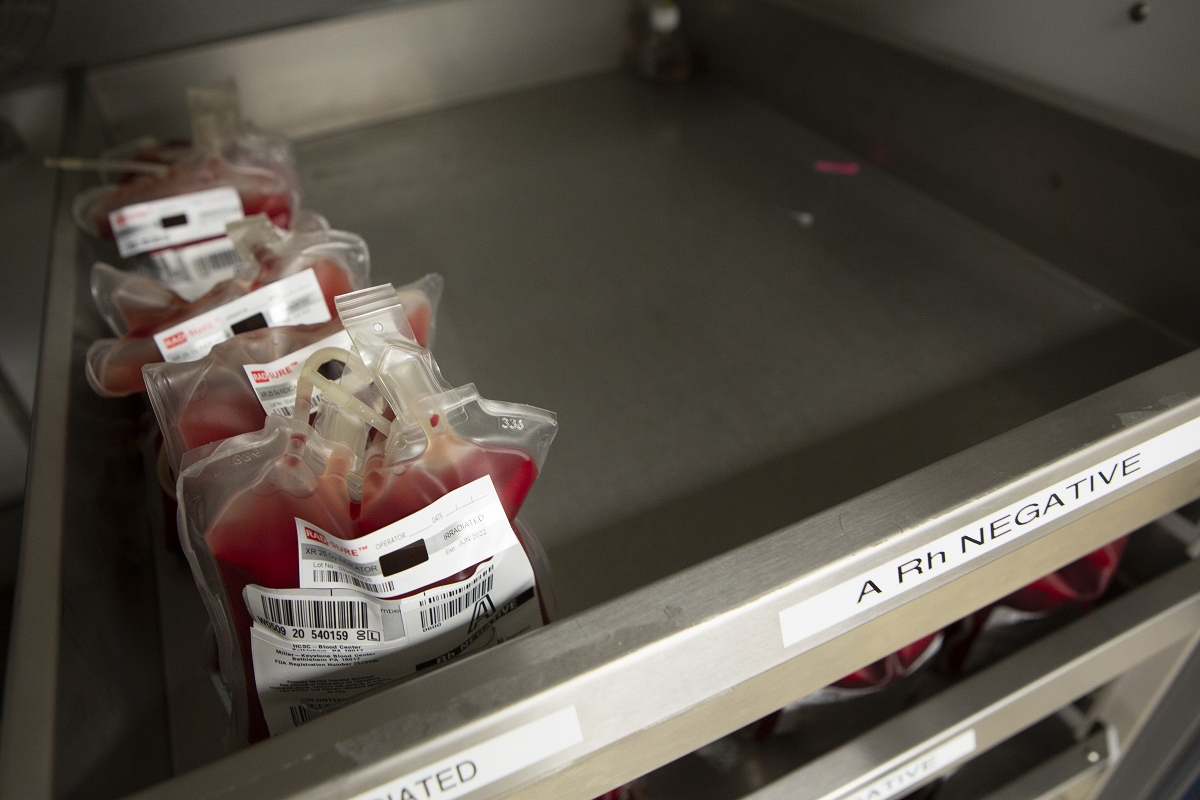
point(175, 339)
point(266, 376)
point(332, 542)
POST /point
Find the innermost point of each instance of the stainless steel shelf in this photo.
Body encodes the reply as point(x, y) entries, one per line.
point(1004, 699)
point(700, 654)
point(806, 419)
point(1070, 775)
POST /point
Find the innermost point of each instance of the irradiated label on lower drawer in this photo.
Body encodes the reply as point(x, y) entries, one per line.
point(912, 772)
point(464, 772)
point(902, 575)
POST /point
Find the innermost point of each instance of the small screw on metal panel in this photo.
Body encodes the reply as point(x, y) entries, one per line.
point(1093, 756)
point(1138, 12)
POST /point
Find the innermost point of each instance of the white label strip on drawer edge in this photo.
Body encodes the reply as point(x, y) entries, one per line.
point(901, 576)
point(905, 777)
point(476, 767)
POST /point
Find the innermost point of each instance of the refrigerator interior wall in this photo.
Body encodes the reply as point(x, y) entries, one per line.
point(1116, 211)
point(1130, 64)
point(735, 342)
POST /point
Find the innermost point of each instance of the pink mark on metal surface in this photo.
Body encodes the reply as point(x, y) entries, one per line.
point(837, 167)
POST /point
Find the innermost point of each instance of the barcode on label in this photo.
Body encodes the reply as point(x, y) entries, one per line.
point(219, 261)
point(441, 607)
point(287, 411)
point(299, 715)
point(299, 304)
point(333, 576)
point(316, 613)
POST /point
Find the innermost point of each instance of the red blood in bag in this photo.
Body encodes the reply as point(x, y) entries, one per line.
point(391, 493)
point(333, 277)
point(147, 320)
point(277, 207)
point(122, 371)
point(418, 320)
point(253, 540)
point(890, 668)
point(1082, 581)
point(213, 416)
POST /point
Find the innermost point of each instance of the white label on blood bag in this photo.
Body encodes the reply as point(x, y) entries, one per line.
point(172, 221)
point(192, 270)
point(459, 529)
point(294, 300)
point(912, 771)
point(478, 766)
point(275, 382)
point(902, 575)
point(316, 648)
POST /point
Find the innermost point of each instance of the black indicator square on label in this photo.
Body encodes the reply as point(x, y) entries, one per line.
point(174, 221)
point(406, 557)
point(250, 323)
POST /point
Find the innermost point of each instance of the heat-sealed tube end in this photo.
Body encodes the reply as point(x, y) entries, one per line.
point(250, 233)
point(110, 375)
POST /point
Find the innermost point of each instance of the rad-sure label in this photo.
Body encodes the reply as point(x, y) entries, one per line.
point(275, 382)
point(321, 645)
point(294, 300)
point(172, 221)
point(454, 532)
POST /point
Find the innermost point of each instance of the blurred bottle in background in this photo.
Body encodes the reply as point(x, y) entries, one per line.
point(662, 55)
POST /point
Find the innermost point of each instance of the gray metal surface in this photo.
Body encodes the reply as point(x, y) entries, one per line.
point(663, 670)
point(1097, 59)
point(1128, 703)
point(1071, 775)
point(630, 258)
point(1087, 198)
point(84, 701)
point(743, 353)
point(1163, 762)
point(1010, 696)
point(84, 34)
point(27, 208)
point(369, 67)
point(30, 698)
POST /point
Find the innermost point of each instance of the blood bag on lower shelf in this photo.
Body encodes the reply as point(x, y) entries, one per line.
point(872, 678)
point(1034, 610)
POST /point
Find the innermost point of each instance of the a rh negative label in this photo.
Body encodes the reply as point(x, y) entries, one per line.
point(912, 772)
point(462, 773)
point(888, 581)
